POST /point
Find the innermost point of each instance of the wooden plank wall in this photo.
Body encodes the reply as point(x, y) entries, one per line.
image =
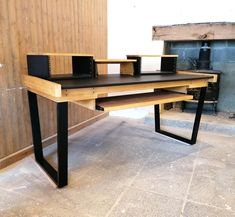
point(43, 26)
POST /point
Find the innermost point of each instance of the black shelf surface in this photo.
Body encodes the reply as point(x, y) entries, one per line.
point(157, 72)
point(117, 80)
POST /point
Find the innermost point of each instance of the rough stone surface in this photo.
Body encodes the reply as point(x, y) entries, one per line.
point(121, 167)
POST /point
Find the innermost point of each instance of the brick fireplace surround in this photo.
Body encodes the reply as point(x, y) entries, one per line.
point(186, 39)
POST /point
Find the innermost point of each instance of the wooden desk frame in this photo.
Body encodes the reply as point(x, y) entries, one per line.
point(50, 90)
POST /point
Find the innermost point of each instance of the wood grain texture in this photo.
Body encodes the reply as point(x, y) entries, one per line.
point(62, 54)
point(195, 31)
point(153, 55)
point(113, 61)
point(42, 85)
point(93, 93)
point(140, 100)
point(86, 103)
point(214, 78)
point(127, 69)
point(42, 26)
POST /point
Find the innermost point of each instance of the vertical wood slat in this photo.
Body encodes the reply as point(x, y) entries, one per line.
point(43, 26)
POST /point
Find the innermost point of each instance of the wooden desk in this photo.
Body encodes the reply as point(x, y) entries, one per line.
point(67, 90)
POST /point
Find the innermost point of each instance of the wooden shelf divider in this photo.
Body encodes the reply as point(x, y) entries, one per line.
point(113, 61)
point(126, 65)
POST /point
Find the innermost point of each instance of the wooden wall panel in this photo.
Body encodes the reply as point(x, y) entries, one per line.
point(78, 26)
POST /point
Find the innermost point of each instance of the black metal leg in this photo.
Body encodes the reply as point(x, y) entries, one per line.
point(195, 125)
point(183, 106)
point(198, 115)
point(60, 177)
point(62, 140)
point(157, 117)
point(35, 123)
point(215, 107)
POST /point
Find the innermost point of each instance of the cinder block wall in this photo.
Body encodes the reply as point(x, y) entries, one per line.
point(222, 59)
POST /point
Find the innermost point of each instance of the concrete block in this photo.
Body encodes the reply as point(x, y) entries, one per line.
point(186, 44)
point(231, 54)
point(219, 55)
point(183, 65)
point(218, 44)
point(231, 43)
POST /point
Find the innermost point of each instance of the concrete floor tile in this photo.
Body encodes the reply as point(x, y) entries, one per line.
point(196, 210)
point(217, 140)
point(218, 147)
point(213, 183)
point(167, 173)
point(22, 176)
point(122, 167)
point(118, 167)
point(150, 139)
point(92, 196)
point(98, 175)
point(137, 203)
point(14, 204)
point(223, 153)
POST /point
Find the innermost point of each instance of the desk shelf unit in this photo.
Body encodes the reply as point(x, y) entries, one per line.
point(168, 64)
point(39, 65)
point(85, 87)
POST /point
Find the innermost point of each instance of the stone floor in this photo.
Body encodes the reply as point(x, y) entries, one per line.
point(120, 167)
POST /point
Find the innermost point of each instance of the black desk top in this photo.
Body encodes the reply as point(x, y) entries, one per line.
point(117, 80)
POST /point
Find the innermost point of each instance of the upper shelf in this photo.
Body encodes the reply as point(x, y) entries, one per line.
point(152, 55)
point(195, 31)
point(61, 54)
point(113, 61)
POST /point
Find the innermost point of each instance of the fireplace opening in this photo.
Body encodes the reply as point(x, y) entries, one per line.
point(204, 48)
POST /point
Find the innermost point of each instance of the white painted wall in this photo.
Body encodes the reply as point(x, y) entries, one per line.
point(130, 22)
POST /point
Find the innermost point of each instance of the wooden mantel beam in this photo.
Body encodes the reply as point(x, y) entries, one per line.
point(195, 31)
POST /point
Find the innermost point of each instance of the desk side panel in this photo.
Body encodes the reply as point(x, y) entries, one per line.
point(38, 85)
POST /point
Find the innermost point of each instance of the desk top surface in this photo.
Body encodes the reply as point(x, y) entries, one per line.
point(116, 79)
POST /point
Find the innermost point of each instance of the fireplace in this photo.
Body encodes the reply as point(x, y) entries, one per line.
point(212, 92)
point(218, 42)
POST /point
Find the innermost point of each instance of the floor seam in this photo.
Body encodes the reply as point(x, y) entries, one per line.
point(44, 173)
point(153, 192)
point(127, 187)
point(18, 193)
point(209, 205)
point(189, 184)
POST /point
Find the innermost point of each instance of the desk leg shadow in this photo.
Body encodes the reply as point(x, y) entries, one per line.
point(59, 176)
point(196, 124)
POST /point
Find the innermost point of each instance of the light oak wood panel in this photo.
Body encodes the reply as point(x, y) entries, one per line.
point(195, 31)
point(212, 80)
point(113, 61)
point(61, 54)
point(92, 93)
point(140, 100)
point(42, 26)
point(152, 55)
point(42, 85)
point(15, 129)
point(127, 69)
